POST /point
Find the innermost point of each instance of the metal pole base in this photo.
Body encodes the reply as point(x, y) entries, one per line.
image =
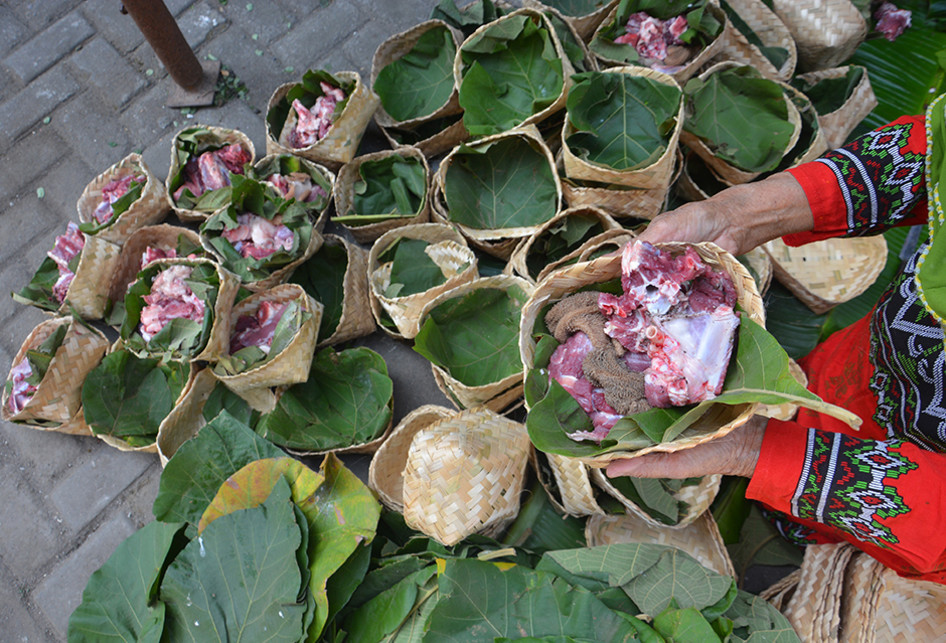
point(200, 96)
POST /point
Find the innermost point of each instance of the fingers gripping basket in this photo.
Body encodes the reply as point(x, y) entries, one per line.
point(447, 249)
point(149, 208)
point(464, 475)
point(58, 397)
point(720, 419)
point(292, 364)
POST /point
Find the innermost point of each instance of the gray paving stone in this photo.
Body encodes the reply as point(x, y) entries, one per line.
point(157, 155)
point(61, 591)
point(143, 59)
point(93, 131)
point(318, 34)
point(17, 328)
point(302, 8)
point(19, 624)
point(137, 501)
point(24, 518)
point(147, 118)
point(267, 20)
point(27, 160)
point(63, 184)
point(49, 455)
point(12, 31)
point(235, 115)
point(30, 105)
point(39, 13)
point(176, 7)
point(198, 22)
point(118, 28)
point(260, 74)
point(364, 42)
point(49, 47)
point(100, 66)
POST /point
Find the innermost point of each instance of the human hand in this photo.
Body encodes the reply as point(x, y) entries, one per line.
point(735, 454)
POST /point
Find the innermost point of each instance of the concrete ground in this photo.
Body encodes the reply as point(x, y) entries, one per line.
point(79, 90)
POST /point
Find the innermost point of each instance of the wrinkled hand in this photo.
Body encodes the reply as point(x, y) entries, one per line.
point(739, 218)
point(736, 454)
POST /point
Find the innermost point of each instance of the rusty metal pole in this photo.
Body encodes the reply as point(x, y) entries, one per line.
point(161, 31)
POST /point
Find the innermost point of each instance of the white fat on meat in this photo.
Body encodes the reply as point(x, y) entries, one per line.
point(170, 298)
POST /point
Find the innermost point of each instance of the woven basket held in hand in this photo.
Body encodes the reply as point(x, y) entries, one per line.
point(826, 32)
point(826, 273)
point(701, 539)
point(213, 138)
point(839, 124)
point(149, 208)
point(447, 249)
point(340, 143)
point(58, 396)
point(771, 32)
point(720, 419)
point(348, 178)
point(292, 364)
point(464, 475)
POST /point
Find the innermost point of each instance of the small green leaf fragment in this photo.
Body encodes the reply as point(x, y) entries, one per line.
point(40, 193)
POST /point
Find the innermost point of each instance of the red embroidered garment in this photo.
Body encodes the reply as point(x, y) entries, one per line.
point(879, 488)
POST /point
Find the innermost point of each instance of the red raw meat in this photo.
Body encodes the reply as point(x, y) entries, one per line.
point(257, 329)
point(651, 36)
point(258, 237)
point(170, 298)
point(891, 21)
point(210, 170)
point(21, 391)
point(65, 249)
point(312, 125)
point(296, 185)
point(112, 192)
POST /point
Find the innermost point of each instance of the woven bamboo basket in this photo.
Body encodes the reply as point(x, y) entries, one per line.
point(817, 143)
point(386, 471)
point(348, 178)
point(700, 539)
point(430, 145)
point(583, 25)
point(185, 419)
point(447, 249)
point(395, 48)
point(499, 242)
point(687, 185)
point(814, 607)
point(760, 266)
point(770, 30)
point(729, 173)
point(838, 124)
point(218, 342)
point(215, 138)
point(340, 143)
point(269, 165)
point(567, 483)
point(87, 295)
point(826, 32)
point(149, 208)
point(542, 21)
point(356, 318)
point(658, 175)
point(518, 262)
point(58, 397)
point(291, 365)
point(275, 276)
point(681, 73)
point(501, 392)
point(826, 273)
point(698, 498)
point(162, 236)
point(464, 475)
point(720, 419)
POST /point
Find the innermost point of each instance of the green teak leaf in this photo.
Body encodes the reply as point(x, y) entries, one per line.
point(412, 269)
point(421, 81)
point(323, 277)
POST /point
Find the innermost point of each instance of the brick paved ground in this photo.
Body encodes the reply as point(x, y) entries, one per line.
point(79, 90)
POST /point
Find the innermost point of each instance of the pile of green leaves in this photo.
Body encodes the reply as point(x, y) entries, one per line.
point(507, 183)
point(620, 121)
point(758, 372)
point(421, 81)
point(829, 94)
point(510, 71)
point(775, 55)
point(127, 396)
point(387, 188)
point(255, 356)
point(703, 29)
point(261, 199)
point(40, 357)
point(308, 91)
point(624, 592)
point(180, 338)
point(741, 116)
point(347, 401)
point(560, 239)
point(288, 163)
point(248, 545)
point(475, 337)
point(191, 143)
point(322, 276)
point(119, 206)
point(412, 269)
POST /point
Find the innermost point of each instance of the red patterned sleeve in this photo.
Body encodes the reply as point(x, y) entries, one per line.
point(871, 184)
